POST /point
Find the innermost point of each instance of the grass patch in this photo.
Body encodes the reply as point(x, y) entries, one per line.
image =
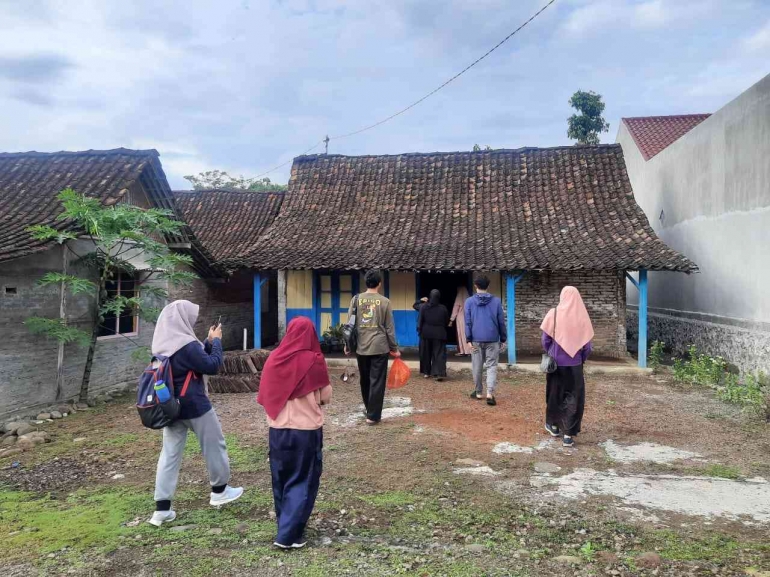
point(122, 440)
point(33, 526)
point(243, 458)
point(390, 499)
point(715, 548)
point(721, 471)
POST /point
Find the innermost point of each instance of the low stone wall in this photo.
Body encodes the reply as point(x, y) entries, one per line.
point(744, 344)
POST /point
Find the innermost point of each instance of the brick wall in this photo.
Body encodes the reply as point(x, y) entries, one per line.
point(604, 294)
point(28, 363)
point(233, 299)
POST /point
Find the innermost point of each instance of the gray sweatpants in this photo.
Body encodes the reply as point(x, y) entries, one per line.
point(212, 442)
point(486, 356)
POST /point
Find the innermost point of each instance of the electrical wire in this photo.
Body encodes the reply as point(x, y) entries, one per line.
point(421, 100)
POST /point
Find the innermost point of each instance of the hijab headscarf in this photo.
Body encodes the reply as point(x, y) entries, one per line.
point(294, 369)
point(174, 328)
point(434, 298)
point(573, 325)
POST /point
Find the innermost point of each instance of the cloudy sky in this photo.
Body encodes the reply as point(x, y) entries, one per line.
point(244, 85)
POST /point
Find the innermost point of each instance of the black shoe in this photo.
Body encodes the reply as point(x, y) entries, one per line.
point(552, 430)
point(476, 396)
point(568, 441)
point(491, 401)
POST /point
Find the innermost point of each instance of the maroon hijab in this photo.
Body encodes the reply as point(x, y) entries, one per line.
point(294, 369)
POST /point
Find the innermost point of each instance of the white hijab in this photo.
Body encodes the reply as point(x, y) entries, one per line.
point(174, 328)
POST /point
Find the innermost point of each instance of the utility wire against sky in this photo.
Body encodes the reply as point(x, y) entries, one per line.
point(419, 101)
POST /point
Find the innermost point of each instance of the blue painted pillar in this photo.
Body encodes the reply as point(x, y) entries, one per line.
point(642, 352)
point(257, 310)
point(510, 297)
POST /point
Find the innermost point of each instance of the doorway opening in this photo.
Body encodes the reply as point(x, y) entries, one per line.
point(446, 283)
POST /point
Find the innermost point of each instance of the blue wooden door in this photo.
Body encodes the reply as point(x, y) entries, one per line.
point(334, 293)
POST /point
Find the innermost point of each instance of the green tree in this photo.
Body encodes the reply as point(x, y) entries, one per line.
point(219, 179)
point(589, 124)
point(477, 148)
point(113, 235)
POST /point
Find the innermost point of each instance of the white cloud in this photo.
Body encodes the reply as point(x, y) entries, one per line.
point(651, 14)
point(759, 41)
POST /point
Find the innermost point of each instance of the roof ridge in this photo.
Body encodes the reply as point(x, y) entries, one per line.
point(228, 191)
point(609, 145)
point(90, 152)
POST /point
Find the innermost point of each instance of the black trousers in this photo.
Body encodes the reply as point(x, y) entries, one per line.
point(432, 357)
point(373, 370)
point(565, 397)
point(296, 462)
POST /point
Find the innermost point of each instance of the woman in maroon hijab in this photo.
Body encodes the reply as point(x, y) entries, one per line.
point(293, 387)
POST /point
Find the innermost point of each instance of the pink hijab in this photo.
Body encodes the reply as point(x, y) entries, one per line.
point(573, 325)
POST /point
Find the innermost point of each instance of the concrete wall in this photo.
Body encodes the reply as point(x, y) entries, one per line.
point(712, 187)
point(233, 300)
point(28, 363)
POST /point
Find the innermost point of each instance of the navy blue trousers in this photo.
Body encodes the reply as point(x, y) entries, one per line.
point(296, 462)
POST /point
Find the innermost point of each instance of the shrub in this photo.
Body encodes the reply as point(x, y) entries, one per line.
point(656, 355)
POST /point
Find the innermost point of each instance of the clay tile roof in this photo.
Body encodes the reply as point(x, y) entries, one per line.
point(560, 208)
point(30, 181)
point(655, 133)
point(227, 223)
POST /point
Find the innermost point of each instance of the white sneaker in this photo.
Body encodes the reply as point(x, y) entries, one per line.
point(229, 495)
point(160, 517)
point(292, 546)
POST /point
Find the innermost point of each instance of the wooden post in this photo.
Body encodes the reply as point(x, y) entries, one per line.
point(281, 303)
point(63, 317)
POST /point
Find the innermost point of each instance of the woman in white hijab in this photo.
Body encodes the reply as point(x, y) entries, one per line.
point(189, 360)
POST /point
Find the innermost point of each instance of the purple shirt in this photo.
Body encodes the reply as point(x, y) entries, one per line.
point(562, 358)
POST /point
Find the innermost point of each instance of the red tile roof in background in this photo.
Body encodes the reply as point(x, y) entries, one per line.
point(655, 133)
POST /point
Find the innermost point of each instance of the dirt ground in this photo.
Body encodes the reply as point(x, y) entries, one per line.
point(443, 486)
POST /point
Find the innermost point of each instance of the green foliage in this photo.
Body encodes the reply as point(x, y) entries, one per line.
point(58, 330)
point(333, 332)
point(721, 471)
point(588, 551)
point(477, 148)
point(45, 232)
point(750, 391)
point(75, 284)
point(219, 179)
point(656, 355)
point(117, 234)
point(589, 124)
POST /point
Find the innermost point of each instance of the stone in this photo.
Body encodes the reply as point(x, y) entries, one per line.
point(242, 528)
point(118, 477)
point(14, 425)
point(25, 429)
point(523, 553)
point(648, 560)
point(567, 560)
point(56, 415)
point(215, 531)
point(25, 444)
point(606, 557)
point(180, 528)
point(43, 416)
point(82, 406)
point(10, 452)
point(8, 441)
point(79, 440)
point(476, 548)
point(34, 438)
point(543, 467)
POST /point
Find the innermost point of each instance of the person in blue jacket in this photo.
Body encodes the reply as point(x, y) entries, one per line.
point(485, 331)
point(190, 360)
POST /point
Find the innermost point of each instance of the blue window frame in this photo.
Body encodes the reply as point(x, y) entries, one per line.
point(333, 293)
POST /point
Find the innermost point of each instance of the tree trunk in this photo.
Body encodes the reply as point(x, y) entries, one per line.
point(84, 384)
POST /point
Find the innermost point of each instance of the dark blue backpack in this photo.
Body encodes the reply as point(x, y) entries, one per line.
point(153, 413)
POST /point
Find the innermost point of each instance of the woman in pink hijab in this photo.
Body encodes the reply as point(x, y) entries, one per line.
point(567, 334)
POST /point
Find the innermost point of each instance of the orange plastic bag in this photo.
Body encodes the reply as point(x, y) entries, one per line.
point(399, 374)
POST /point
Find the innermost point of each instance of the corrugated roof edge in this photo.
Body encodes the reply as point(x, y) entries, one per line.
point(90, 152)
